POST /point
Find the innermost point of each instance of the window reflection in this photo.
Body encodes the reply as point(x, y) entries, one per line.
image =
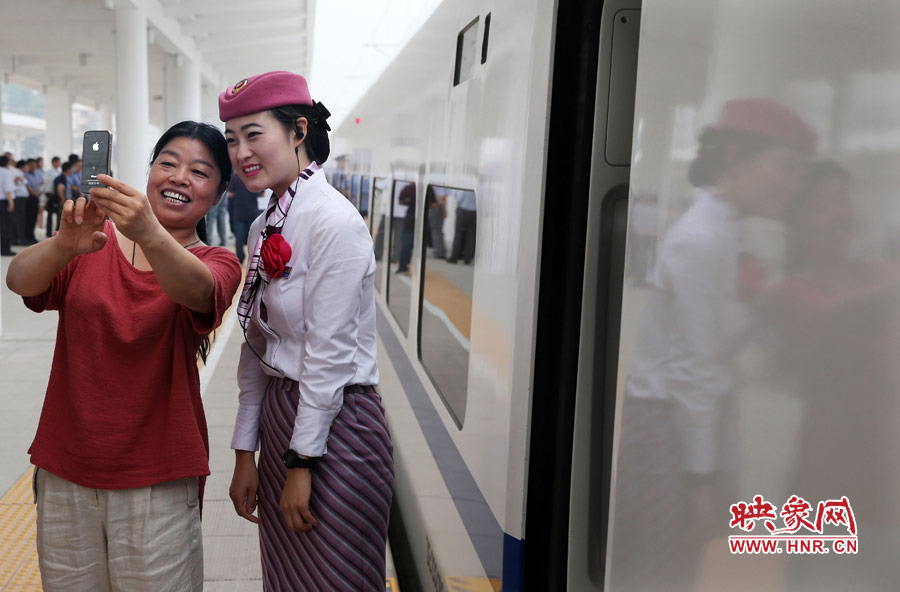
point(403, 226)
point(446, 311)
point(466, 52)
point(344, 186)
point(376, 225)
point(362, 201)
point(353, 195)
point(340, 179)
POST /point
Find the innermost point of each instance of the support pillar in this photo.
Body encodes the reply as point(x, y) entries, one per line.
point(58, 114)
point(133, 144)
point(106, 122)
point(105, 116)
point(2, 137)
point(182, 90)
point(4, 203)
point(210, 96)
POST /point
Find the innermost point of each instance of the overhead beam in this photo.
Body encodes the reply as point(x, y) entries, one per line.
point(174, 40)
point(90, 47)
point(206, 8)
point(80, 9)
point(214, 45)
point(241, 53)
point(261, 26)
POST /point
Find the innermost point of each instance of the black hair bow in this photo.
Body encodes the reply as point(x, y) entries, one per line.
point(321, 114)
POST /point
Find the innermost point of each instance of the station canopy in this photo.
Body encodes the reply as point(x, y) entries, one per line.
point(70, 44)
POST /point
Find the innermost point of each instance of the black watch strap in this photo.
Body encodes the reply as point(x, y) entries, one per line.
point(292, 460)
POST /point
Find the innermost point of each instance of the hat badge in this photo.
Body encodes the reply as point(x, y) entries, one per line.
point(239, 86)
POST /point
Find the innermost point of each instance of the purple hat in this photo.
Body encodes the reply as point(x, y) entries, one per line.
point(263, 92)
point(768, 119)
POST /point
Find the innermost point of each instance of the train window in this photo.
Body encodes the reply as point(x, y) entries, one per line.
point(400, 246)
point(354, 190)
point(466, 50)
point(336, 177)
point(445, 314)
point(484, 41)
point(362, 200)
point(380, 207)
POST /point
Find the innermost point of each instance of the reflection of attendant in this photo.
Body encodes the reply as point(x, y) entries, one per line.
point(643, 220)
point(464, 233)
point(679, 420)
point(399, 213)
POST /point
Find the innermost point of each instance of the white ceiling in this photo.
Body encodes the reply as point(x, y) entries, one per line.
point(70, 43)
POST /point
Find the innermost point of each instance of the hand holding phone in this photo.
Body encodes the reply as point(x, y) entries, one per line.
point(96, 154)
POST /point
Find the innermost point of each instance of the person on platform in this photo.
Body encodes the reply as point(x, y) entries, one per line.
point(243, 209)
point(307, 372)
point(121, 450)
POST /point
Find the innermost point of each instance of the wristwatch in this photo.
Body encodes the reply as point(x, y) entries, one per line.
point(293, 461)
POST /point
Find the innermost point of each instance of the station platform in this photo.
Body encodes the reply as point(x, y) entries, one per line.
point(231, 547)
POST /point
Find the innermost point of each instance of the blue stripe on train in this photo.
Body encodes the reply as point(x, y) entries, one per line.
point(478, 518)
point(513, 564)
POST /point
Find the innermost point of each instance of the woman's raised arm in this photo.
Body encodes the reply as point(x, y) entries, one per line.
point(183, 277)
point(80, 232)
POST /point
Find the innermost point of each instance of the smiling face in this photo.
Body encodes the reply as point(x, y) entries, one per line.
point(183, 184)
point(262, 152)
point(763, 184)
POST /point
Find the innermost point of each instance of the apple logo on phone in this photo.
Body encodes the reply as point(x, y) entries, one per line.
point(96, 146)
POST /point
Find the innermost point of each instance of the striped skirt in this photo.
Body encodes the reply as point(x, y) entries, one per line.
point(351, 497)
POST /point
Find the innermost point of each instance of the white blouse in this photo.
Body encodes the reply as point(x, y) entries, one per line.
point(320, 327)
point(694, 322)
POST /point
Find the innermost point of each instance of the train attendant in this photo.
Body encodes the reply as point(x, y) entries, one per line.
point(121, 448)
point(307, 370)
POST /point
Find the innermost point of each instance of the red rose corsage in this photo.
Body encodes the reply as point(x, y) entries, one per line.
point(275, 253)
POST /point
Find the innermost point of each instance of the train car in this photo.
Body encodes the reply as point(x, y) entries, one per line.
point(638, 288)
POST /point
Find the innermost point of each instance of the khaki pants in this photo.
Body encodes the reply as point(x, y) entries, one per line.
point(102, 540)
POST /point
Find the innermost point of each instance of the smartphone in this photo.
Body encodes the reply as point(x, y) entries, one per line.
point(95, 157)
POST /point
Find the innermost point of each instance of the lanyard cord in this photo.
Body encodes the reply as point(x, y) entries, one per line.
point(253, 297)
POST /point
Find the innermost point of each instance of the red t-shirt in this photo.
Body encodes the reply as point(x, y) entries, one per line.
point(123, 405)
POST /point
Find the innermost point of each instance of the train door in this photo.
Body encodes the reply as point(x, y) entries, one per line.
point(583, 237)
point(602, 295)
point(753, 444)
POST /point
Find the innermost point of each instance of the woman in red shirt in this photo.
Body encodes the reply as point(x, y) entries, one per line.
point(121, 449)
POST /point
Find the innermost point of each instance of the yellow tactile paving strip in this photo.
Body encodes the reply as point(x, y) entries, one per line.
point(465, 584)
point(18, 554)
point(457, 305)
point(19, 571)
